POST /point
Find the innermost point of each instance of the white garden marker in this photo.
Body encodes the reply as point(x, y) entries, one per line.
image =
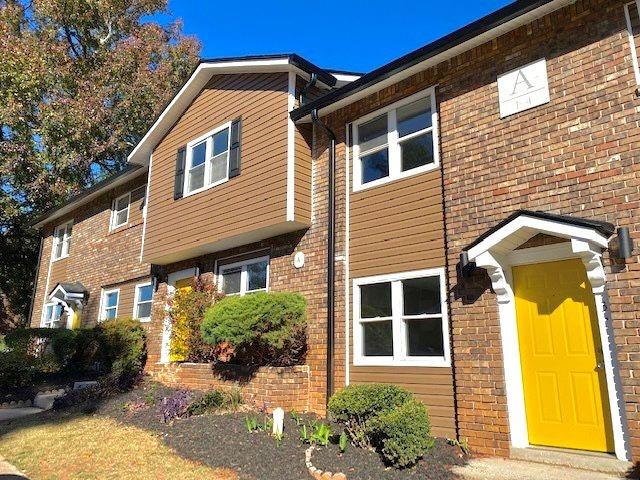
point(278, 421)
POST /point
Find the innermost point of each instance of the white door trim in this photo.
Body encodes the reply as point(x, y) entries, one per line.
point(498, 267)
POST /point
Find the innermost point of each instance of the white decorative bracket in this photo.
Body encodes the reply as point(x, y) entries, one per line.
point(499, 281)
point(592, 259)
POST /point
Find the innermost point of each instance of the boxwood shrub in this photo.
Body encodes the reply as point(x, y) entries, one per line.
point(386, 418)
point(263, 328)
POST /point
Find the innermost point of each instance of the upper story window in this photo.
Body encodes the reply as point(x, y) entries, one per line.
point(207, 161)
point(62, 240)
point(401, 319)
point(109, 303)
point(143, 302)
point(396, 142)
point(52, 317)
point(243, 277)
point(120, 211)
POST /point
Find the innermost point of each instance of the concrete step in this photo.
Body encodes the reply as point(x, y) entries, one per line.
point(592, 461)
point(45, 400)
point(508, 469)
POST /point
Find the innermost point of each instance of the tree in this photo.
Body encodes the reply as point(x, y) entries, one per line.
point(80, 83)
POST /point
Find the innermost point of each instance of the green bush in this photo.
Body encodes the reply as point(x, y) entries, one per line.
point(208, 402)
point(17, 370)
point(357, 405)
point(123, 349)
point(262, 328)
point(402, 436)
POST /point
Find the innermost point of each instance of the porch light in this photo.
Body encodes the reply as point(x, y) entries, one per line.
point(625, 243)
point(466, 267)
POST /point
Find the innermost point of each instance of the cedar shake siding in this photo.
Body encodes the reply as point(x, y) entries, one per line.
point(246, 208)
point(97, 257)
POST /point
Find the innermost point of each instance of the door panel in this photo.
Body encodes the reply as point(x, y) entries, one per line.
point(564, 386)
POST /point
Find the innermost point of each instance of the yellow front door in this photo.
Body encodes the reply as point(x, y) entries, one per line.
point(178, 348)
point(562, 371)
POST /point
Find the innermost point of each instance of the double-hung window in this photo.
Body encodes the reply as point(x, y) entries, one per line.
point(52, 315)
point(243, 277)
point(120, 211)
point(62, 240)
point(401, 319)
point(396, 142)
point(109, 304)
point(143, 302)
point(207, 162)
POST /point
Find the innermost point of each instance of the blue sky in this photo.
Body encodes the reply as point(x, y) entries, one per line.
point(352, 35)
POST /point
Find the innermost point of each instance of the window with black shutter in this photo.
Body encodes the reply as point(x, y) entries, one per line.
point(178, 188)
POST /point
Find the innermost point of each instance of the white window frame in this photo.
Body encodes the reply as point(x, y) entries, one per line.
point(114, 212)
point(208, 137)
point(136, 302)
point(244, 281)
point(66, 239)
point(103, 303)
point(46, 322)
point(393, 142)
point(400, 358)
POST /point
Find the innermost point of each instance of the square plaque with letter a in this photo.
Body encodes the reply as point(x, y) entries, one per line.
point(523, 88)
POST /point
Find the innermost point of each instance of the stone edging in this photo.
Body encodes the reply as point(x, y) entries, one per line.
point(316, 472)
point(29, 402)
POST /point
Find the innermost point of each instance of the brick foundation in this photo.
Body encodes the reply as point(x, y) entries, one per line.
point(286, 387)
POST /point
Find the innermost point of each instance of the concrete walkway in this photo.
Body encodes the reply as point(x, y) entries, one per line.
point(13, 413)
point(506, 469)
point(9, 472)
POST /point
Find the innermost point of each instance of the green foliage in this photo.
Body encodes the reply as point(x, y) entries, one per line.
point(386, 418)
point(186, 310)
point(343, 441)
point(17, 370)
point(356, 405)
point(321, 435)
point(81, 83)
point(263, 328)
point(233, 399)
point(304, 434)
point(251, 423)
point(461, 444)
point(296, 418)
point(208, 402)
point(403, 435)
point(123, 350)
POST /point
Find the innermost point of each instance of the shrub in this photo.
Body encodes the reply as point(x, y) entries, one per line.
point(402, 436)
point(175, 406)
point(123, 350)
point(187, 309)
point(357, 405)
point(17, 370)
point(206, 403)
point(263, 328)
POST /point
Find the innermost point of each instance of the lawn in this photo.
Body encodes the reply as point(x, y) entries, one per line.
point(69, 447)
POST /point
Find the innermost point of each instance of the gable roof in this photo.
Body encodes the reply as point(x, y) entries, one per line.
point(200, 77)
point(472, 35)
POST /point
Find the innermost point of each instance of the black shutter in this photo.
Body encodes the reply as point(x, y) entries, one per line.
point(234, 152)
point(178, 186)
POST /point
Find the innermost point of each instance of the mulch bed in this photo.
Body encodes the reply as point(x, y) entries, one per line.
point(222, 440)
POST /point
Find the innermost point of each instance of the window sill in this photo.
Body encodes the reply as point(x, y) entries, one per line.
point(204, 189)
point(425, 362)
point(60, 258)
point(384, 181)
point(124, 228)
point(145, 320)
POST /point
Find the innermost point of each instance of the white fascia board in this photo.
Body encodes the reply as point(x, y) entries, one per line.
point(443, 56)
point(199, 78)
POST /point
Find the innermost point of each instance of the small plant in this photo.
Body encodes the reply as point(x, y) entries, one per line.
point(321, 434)
point(268, 423)
point(343, 442)
point(233, 399)
point(175, 406)
point(209, 402)
point(296, 418)
point(252, 424)
point(150, 395)
point(461, 444)
point(304, 434)
point(278, 436)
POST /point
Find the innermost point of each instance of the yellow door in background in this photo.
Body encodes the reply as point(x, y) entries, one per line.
point(562, 370)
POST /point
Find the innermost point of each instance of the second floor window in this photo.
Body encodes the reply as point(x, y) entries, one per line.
point(62, 241)
point(120, 211)
point(207, 162)
point(396, 142)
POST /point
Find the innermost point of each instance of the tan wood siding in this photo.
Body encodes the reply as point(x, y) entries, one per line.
point(126, 297)
point(399, 227)
point(253, 200)
point(303, 136)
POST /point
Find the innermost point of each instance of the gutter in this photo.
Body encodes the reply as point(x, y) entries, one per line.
point(35, 281)
point(331, 247)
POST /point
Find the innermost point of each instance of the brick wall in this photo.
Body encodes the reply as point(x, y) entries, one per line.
point(270, 387)
point(97, 256)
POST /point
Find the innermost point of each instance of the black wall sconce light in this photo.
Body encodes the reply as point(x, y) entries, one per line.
point(466, 267)
point(625, 243)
